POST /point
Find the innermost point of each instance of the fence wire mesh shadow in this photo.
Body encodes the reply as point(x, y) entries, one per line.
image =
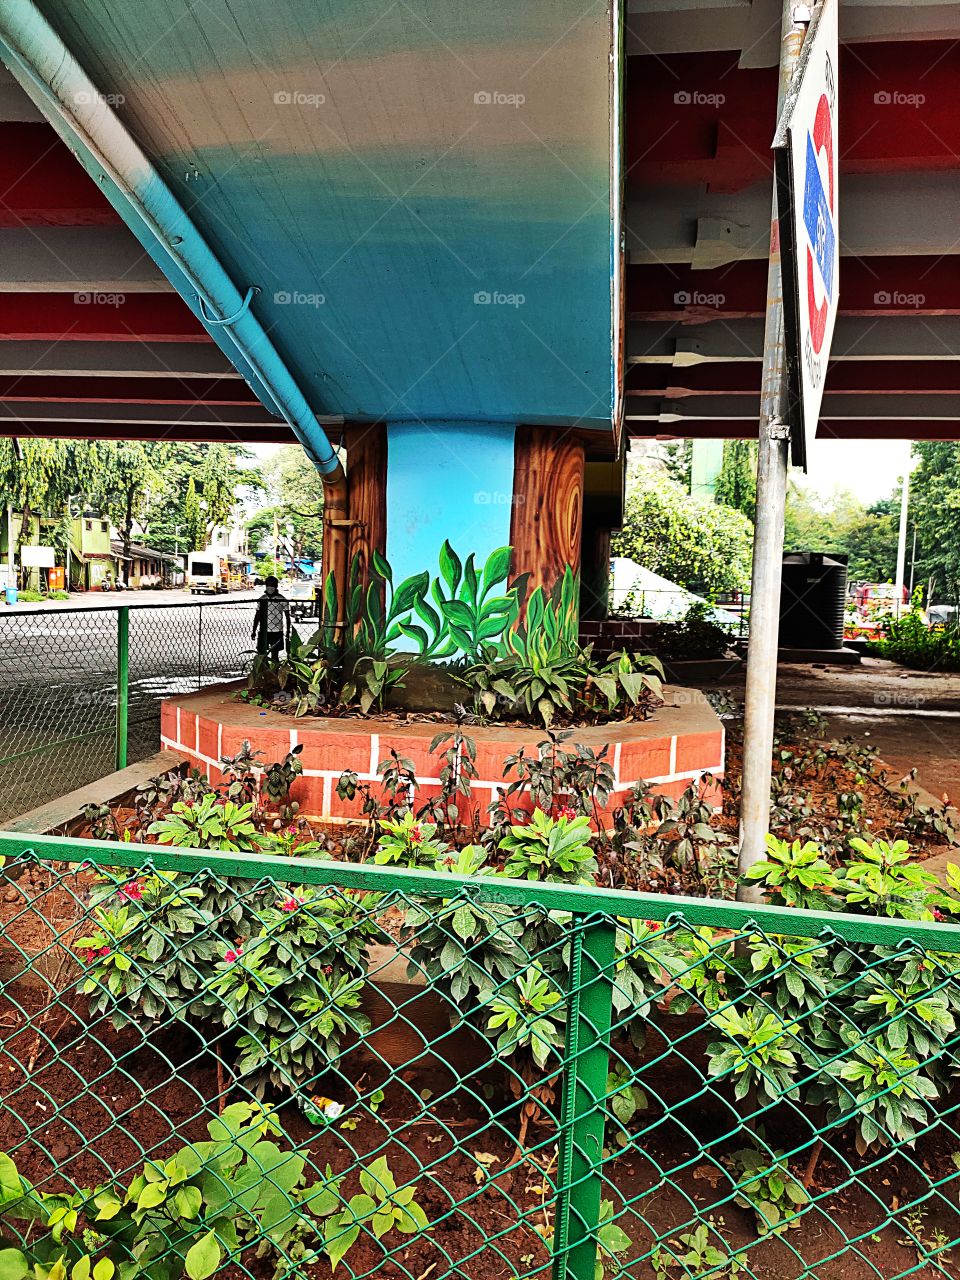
point(60, 671)
point(263, 1067)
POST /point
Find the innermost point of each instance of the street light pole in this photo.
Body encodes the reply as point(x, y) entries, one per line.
point(772, 463)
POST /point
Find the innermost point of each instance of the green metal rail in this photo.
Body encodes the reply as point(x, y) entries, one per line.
point(80, 689)
point(694, 1089)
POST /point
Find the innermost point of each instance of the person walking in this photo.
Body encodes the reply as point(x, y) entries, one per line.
point(271, 626)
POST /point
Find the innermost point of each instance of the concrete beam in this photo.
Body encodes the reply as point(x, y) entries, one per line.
point(855, 338)
point(184, 432)
point(85, 316)
point(914, 215)
point(70, 259)
point(133, 414)
point(175, 360)
point(876, 408)
point(752, 31)
point(155, 391)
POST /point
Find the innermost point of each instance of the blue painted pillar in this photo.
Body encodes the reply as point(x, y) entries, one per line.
point(447, 480)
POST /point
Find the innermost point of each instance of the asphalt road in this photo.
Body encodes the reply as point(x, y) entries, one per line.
point(58, 681)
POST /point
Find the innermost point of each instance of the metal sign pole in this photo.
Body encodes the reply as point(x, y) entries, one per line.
point(772, 461)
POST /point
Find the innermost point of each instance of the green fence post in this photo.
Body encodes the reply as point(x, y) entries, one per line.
point(586, 1064)
point(123, 683)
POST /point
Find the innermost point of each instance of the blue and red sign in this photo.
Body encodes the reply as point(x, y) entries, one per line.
point(807, 155)
point(819, 220)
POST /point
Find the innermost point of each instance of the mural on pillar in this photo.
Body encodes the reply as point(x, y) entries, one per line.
point(464, 610)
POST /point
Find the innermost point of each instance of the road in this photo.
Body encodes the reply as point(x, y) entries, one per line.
point(910, 718)
point(58, 681)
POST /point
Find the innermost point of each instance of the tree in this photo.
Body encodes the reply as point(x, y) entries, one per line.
point(126, 480)
point(935, 513)
point(737, 482)
point(700, 545)
point(838, 522)
point(194, 523)
point(39, 477)
point(293, 490)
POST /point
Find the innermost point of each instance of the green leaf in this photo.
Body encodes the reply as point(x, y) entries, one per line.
point(187, 1202)
point(13, 1264)
point(450, 567)
point(203, 1258)
point(497, 567)
point(381, 565)
point(339, 1238)
point(11, 1187)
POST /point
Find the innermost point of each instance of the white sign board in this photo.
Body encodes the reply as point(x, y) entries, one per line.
point(807, 160)
point(38, 557)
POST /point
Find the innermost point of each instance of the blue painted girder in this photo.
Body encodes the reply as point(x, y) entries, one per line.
point(423, 193)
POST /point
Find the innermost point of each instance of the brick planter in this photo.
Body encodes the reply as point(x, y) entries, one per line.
point(683, 739)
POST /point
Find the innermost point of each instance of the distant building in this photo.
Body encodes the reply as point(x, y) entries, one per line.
point(144, 567)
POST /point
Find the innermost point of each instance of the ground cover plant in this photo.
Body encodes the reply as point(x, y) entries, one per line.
point(829, 1057)
point(511, 653)
point(911, 641)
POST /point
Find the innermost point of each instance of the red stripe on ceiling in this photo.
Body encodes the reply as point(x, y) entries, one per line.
point(829, 429)
point(911, 286)
point(173, 391)
point(43, 185)
point(98, 317)
point(696, 117)
point(210, 433)
point(845, 377)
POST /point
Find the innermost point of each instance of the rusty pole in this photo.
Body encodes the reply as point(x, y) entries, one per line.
point(772, 461)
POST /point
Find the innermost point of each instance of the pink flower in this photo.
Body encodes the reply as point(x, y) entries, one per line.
point(133, 890)
point(87, 954)
point(290, 904)
point(566, 812)
point(231, 956)
point(937, 913)
point(104, 951)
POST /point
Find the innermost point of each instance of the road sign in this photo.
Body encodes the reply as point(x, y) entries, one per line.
point(806, 155)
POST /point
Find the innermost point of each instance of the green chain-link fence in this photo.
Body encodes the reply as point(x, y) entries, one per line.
point(467, 1077)
point(80, 689)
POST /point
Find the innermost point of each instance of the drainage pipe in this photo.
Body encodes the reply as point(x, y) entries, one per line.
point(84, 118)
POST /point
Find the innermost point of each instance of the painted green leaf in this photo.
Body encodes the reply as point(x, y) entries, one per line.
point(203, 1258)
point(451, 569)
point(381, 566)
point(497, 567)
point(408, 592)
point(458, 614)
point(417, 634)
point(470, 580)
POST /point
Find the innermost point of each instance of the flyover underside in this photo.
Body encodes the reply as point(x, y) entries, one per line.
point(91, 334)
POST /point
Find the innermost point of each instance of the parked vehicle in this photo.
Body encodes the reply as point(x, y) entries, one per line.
point(207, 574)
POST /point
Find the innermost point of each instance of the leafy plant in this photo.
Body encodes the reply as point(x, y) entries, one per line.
point(528, 1014)
point(209, 823)
point(379, 1207)
point(177, 1215)
point(550, 849)
point(611, 1241)
point(408, 842)
point(755, 1052)
point(766, 1185)
point(885, 882)
point(699, 1257)
point(795, 875)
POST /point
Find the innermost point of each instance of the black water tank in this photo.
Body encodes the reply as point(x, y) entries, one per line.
point(812, 599)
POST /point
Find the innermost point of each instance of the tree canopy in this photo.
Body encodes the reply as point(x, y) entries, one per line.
point(704, 546)
point(935, 513)
point(839, 522)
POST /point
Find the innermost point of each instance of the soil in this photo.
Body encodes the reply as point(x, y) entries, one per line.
point(98, 1101)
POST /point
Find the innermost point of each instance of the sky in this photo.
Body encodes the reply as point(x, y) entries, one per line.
point(870, 469)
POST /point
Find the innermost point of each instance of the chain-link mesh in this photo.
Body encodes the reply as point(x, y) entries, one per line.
point(58, 687)
point(465, 1077)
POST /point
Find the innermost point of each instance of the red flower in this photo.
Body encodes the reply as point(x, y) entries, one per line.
point(133, 890)
point(231, 956)
point(566, 812)
point(416, 835)
point(104, 951)
point(653, 926)
point(290, 904)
